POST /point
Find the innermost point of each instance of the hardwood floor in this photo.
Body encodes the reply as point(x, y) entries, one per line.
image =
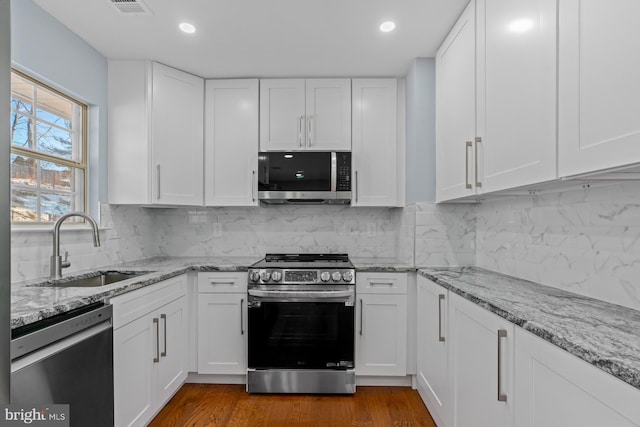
point(229, 405)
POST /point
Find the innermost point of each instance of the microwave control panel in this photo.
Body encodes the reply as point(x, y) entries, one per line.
point(343, 179)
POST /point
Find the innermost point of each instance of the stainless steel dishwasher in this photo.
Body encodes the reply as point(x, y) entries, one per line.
point(67, 359)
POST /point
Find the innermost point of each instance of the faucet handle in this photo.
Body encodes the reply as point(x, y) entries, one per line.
point(66, 263)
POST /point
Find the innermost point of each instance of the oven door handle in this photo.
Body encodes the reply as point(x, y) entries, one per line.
point(301, 295)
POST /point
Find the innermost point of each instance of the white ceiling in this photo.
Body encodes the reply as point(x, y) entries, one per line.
point(266, 38)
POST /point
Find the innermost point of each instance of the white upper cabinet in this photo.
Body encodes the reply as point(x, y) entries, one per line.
point(298, 114)
point(456, 109)
point(231, 142)
point(496, 98)
point(375, 143)
point(328, 114)
point(177, 137)
point(155, 135)
point(516, 97)
point(599, 88)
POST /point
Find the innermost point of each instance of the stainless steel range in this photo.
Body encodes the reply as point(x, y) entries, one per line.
point(301, 324)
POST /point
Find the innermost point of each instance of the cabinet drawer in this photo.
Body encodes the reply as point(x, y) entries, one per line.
point(230, 282)
point(132, 305)
point(381, 283)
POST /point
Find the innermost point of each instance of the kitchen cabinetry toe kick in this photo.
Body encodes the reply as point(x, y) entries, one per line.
point(301, 381)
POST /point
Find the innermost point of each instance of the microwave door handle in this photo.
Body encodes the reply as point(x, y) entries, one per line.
point(334, 172)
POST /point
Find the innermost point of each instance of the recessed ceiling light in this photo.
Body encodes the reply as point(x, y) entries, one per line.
point(187, 28)
point(387, 26)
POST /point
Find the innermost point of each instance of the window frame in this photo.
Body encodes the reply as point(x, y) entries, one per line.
point(82, 165)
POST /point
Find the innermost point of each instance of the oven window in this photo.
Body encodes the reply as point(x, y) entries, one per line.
point(301, 335)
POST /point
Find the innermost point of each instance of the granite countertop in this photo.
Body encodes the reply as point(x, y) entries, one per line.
point(35, 300)
point(603, 334)
point(380, 265)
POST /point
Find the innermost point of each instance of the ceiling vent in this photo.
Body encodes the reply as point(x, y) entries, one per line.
point(130, 7)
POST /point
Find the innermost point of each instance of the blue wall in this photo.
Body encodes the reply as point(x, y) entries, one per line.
point(420, 132)
point(47, 50)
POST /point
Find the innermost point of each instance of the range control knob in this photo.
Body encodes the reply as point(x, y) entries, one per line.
point(276, 276)
point(336, 276)
point(347, 276)
point(265, 275)
point(325, 276)
point(254, 276)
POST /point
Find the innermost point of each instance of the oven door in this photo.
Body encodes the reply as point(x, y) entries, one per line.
point(290, 330)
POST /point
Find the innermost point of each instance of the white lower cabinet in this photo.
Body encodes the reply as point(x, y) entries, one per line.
point(481, 357)
point(433, 350)
point(478, 369)
point(381, 324)
point(222, 327)
point(149, 349)
point(556, 389)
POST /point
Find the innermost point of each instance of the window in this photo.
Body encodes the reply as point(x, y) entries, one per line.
point(48, 152)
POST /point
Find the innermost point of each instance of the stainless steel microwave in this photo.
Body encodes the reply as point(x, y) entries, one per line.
point(304, 177)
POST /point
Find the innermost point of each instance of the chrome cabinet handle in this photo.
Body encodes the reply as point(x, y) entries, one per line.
point(158, 173)
point(157, 323)
point(502, 397)
point(467, 184)
point(253, 186)
point(241, 317)
point(440, 299)
point(361, 316)
point(309, 130)
point(478, 141)
point(164, 317)
point(300, 118)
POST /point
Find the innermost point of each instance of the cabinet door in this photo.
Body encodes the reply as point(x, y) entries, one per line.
point(231, 142)
point(172, 368)
point(222, 339)
point(129, 165)
point(134, 351)
point(599, 89)
point(456, 109)
point(433, 357)
point(177, 127)
point(482, 365)
point(516, 92)
point(328, 114)
point(375, 142)
point(556, 389)
point(381, 335)
point(282, 124)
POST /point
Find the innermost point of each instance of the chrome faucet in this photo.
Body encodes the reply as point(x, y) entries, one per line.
point(57, 264)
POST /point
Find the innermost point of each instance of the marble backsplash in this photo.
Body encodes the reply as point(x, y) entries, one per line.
point(124, 236)
point(254, 231)
point(583, 241)
point(425, 234)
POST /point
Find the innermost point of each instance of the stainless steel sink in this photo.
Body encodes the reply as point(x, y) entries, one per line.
point(99, 278)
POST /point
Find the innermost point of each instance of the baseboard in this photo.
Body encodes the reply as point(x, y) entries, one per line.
point(384, 381)
point(196, 378)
